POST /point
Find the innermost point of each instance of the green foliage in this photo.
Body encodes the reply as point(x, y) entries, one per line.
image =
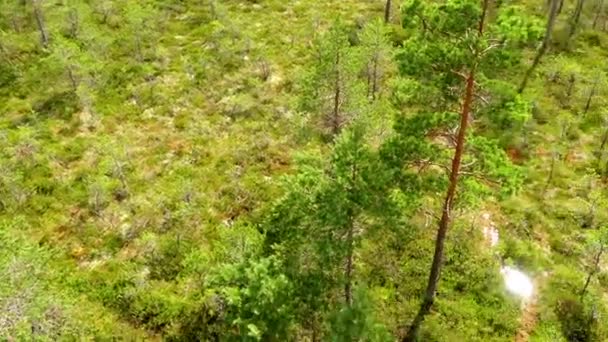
point(357, 323)
point(257, 298)
point(162, 175)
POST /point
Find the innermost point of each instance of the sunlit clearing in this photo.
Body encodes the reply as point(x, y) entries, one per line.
point(517, 282)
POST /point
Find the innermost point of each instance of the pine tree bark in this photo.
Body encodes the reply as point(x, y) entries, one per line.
point(444, 223)
point(73, 20)
point(348, 287)
point(372, 78)
point(576, 17)
point(387, 11)
point(553, 11)
point(554, 158)
point(350, 244)
point(603, 145)
point(337, 98)
point(591, 94)
point(570, 89)
point(431, 289)
point(596, 264)
point(598, 12)
point(44, 36)
point(72, 78)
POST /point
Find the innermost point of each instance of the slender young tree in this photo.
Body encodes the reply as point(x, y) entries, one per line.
point(554, 8)
point(377, 56)
point(332, 88)
point(330, 208)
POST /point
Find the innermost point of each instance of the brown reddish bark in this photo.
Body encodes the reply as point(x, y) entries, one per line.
point(444, 223)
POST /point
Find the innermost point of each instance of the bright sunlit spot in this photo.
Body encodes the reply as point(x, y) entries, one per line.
point(517, 282)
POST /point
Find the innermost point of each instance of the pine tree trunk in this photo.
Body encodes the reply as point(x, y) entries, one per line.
point(444, 223)
point(555, 6)
point(602, 146)
point(431, 289)
point(570, 89)
point(73, 19)
point(350, 244)
point(576, 17)
point(591, 94)
point(551, 171)
point(44, 36)
point(15, 23)
point(337, 99)
point(348, 287)
point(72, 77)
point(598, 12)
point(372, 78)
point(596, 264)
point(387, 11)
point(138, 48)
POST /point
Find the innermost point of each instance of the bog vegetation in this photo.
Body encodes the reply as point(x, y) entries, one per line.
point(272, 170)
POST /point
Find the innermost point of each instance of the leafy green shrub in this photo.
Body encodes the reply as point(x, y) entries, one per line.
point(576, 320)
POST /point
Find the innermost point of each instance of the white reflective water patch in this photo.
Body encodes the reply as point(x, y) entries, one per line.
point(517, 282)
point(489, 231)
point(491, 235)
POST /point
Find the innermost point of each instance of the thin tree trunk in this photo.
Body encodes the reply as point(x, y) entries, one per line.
point(348, 287)
point(598, 12)
point(444, 223)
point(555, 6)
point(551, 171)
point(138, 48)
point(560, 5)
point(596, 263)
point(337, 99)
point(387, 11)
point(350, 234)
point(576, 16)
point(375, 77)
point(591, 94)
point(16, 26)
point(372, 78)
point(369, 82)
point(44, 36)
point(73, 19)
point(570, 89)
point(603, 145)
point(72, 79)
